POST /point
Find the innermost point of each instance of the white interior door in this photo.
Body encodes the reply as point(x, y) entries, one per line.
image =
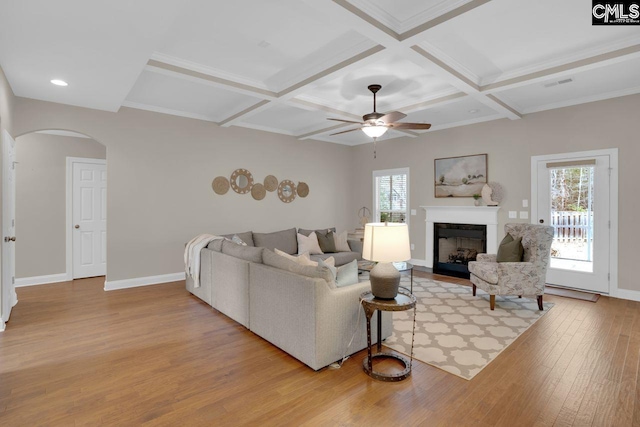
point(9, 297)
point(89, 200)
point(573, 196)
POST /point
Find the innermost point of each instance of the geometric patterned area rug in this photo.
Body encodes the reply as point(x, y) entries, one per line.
point(456, 331)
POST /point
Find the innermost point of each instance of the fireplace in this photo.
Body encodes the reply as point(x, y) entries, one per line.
point(486, 216)
point(455, 245)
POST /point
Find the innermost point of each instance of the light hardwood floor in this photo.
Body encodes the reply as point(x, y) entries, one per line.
point(75, 355)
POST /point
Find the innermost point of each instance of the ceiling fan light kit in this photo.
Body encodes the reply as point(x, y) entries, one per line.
point(374, 131)
point(375, 124)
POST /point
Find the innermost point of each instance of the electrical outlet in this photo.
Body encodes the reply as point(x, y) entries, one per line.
point(524, 214)
point(513, 214)
point(525, 203)
point(414, 212)
point(412, 246)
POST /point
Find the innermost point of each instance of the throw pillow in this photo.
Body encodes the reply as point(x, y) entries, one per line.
point(340, 241)
point(304, 259)
point(510, 249)
point(328, 266)
point(326, 241)
point(236, 239)
point(347, 274)
point(309, 244)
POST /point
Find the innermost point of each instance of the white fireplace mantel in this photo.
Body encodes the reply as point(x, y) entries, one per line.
point(482, 215)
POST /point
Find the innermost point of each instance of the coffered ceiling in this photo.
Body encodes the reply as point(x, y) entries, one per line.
point(285, 66)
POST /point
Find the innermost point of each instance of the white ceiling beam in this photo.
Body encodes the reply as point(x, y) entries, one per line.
point(593, 62)
point(458, 80)
point(156, 66)
point(370, 55)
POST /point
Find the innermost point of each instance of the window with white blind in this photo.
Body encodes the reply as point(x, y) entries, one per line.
point(391, 195)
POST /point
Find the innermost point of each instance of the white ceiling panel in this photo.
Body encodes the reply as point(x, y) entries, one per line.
point(505, 38)
point(600, 83)
point(403, 15)
point(97, 48)
point(296, 121)
point(460, 111)
point(305, 60)
point(403, 83)
point(266, 44)
point(180, 95)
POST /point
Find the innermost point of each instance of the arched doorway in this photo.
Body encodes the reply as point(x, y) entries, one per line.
point(49, 207)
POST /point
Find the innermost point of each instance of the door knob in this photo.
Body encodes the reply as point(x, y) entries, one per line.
point(77, 226)
point(10, 239)
point(542, 221)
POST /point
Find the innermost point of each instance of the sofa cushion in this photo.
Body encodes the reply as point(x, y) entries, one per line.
point(284, 240)
point(323, 230)
point(308, 244)
point(302, 259)
point(216, 245)
point(246, 237)
point(248, 253)
point(510, 249)
point(274, 260)
point(326, 241)
point(342, 258)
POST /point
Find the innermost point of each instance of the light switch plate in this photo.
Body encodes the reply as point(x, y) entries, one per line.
point(513, 214)
point(525, 203)
point(524, 214)
point(413, 212)
point(412, 246)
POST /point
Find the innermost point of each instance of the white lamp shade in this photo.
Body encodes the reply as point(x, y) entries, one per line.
point(386, 242)
point(374, 131)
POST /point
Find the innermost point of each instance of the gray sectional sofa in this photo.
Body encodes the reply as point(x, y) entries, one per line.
point(297, 308)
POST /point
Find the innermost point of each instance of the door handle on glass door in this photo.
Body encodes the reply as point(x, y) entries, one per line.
point(542, 221)
point(77, 226)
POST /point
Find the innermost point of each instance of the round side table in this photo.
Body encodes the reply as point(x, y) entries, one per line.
point(403, 301)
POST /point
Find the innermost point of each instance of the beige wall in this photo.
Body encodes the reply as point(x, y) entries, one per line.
point(510, 145)
point(41, 199)
point(160, 170)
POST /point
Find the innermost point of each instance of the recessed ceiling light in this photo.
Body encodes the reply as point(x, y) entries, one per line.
point(59, 82)
point(475, 110)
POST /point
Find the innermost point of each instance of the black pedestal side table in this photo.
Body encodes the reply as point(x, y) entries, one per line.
point(403, 301)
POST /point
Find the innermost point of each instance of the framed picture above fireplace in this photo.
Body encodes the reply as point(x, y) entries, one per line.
point(461, 176)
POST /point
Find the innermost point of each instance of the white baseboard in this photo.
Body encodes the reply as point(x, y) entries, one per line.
point(626, 294)
point(420, 262)
point(142, 281)
point(41, 280)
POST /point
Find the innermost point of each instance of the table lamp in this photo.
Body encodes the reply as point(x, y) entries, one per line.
point(385, 243)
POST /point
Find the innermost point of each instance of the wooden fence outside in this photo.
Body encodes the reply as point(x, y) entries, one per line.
point(572, 226)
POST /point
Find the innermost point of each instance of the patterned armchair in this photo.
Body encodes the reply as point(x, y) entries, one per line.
point(516, 278)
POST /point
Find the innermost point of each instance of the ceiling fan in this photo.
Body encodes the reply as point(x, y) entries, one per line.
point(376, 124)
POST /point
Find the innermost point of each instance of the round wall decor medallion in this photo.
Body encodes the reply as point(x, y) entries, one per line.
point(287, 191)
point(241, 181)
point(271, 183)
point(220, 185)
point(258, 192)
point(302, 189)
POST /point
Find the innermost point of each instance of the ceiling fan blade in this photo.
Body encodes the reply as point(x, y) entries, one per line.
point(345, 121)
point(409, 125)
point(393, 116)
point(344, 131)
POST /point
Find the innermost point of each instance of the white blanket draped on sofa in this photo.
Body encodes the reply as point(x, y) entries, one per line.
point(192, 255)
